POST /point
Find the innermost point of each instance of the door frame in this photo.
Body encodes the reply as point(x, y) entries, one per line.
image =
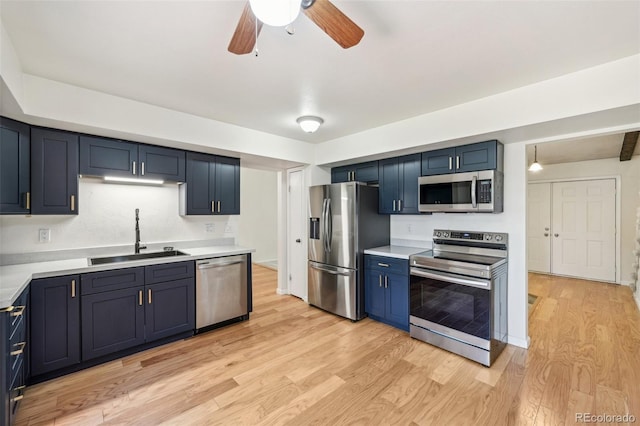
point(618, 215)
point(288, 232)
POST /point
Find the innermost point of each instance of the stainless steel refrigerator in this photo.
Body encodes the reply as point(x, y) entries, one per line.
point(343, 222)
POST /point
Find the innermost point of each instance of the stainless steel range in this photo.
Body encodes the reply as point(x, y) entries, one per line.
point(459, 294)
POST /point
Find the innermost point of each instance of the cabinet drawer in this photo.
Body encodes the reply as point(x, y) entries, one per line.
point(388, 265)
point(98, 282)
point(168, 272)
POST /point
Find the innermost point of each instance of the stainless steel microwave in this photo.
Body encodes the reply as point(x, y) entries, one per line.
point(461, 192)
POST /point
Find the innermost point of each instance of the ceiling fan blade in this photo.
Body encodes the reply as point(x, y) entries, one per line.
point(335, 23)
point(244, 38)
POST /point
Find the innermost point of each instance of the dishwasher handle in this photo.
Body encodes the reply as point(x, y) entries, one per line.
point(206, 265)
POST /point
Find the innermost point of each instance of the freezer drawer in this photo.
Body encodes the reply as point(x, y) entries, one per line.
point(335, 289)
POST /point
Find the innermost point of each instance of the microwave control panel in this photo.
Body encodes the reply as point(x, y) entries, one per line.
point(484, 191)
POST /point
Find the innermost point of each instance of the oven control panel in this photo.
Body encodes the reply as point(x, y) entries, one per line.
point(488, 237)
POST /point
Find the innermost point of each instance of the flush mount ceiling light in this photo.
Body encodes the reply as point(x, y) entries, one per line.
point(136, 181)
point(535, 166)
point(309, 123)
point(277, 13)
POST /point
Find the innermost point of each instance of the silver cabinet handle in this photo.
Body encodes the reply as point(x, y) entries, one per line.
point(28, 201)
point(133, 167)
point(394, 205)
point(379, 280)
point(219, 202)
point(73, 203)
point(457, 162)
point(399, 205)
point(213, 206)
point(450, 163)
point(386, 281)
point(384, 265)
point(142, 168)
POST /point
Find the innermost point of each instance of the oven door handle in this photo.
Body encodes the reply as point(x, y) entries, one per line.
point(451, 278)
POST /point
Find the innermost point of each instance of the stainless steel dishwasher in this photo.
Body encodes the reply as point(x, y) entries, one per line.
point(221, 290)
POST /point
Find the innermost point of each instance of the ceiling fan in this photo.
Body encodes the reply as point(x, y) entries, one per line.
point(322, 12)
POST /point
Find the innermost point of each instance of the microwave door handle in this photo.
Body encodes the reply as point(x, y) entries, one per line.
point(474, 181)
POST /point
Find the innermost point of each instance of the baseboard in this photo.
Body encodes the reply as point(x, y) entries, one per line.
point(517, 341)
point(637, 297)
point(271, 264)
point(282, 291)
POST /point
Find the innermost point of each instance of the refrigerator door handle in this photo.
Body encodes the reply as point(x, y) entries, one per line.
point(331, 270)
point(324, 224)
point(329, 225)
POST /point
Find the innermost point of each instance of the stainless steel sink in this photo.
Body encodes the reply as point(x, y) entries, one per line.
point(130, 257)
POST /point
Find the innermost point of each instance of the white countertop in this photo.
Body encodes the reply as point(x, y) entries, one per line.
point(15, 278)
point(399, 252)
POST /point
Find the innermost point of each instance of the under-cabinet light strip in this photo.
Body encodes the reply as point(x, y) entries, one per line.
point(133, 180)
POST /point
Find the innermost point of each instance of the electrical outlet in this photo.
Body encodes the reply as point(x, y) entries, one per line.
point(409, 227)
point(228, 229)
point(210, 227)
point(44, 235)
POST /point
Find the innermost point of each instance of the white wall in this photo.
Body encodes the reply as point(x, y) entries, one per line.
point(629, 172)
point(512, 221)
point(107, 218)
point(258, 222)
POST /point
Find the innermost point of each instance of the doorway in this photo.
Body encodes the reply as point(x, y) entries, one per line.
point(571, 228)
point(296, 234)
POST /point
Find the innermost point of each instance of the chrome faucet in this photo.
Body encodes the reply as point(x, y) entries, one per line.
point(138, 247)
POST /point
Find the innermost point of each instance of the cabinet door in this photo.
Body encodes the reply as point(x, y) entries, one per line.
point(374, 293)
point(170, 308)
point(340, 174)
point(55, 323)
point(108, 157)
point(161, 163)
point(408, 172)
point(112, 321)
point(54, 172)
point(477, 156)
point(397, 300)
point(438, 162)
point(199, 184)
point(227, 185)
point(366, 172)
point(389, 190)
point(15, 166)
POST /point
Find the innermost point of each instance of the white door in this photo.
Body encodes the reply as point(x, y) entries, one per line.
point(297, 256)
point(584, 229)
point(539, 227)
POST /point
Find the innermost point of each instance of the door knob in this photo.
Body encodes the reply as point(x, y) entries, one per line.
point(546, 228)
point(556, 235)
point(297, 240)
point(546, 234)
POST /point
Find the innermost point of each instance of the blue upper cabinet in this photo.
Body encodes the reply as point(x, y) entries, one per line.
point(361, 172)
point(398, 179)
point(54, 172)
point(212, 185)
point(110, 157)
point(15, 167)
point(466, 158)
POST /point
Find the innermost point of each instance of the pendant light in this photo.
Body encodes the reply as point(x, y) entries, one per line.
point(535, 166)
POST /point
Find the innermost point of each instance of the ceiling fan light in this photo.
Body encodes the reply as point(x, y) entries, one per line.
point(277, 13)
point(309, 123)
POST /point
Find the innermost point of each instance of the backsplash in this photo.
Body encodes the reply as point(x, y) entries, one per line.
point(107, 218)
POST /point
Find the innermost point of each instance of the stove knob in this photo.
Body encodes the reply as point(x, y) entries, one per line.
point(498, 237)
point(488, 237)
point(438, 234)
point(445, 234)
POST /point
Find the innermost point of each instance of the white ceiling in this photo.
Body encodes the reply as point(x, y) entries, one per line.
point(594, 148)
point(415, 57)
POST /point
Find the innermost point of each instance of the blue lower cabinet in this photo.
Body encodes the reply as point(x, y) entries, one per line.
point(112, 321)
point(387, 290)
point(374, 294)
point(55, 323)
point(170, 309)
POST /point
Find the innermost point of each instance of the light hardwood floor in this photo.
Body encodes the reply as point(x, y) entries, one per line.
point(292, 363)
